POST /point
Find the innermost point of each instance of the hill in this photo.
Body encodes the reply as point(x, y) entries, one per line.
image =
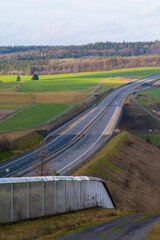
point(130, 168)
point(100, 56)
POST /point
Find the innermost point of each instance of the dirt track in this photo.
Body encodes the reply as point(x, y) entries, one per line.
point(132, 227)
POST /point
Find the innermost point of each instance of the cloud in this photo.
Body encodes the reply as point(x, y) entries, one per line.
point(148, 11)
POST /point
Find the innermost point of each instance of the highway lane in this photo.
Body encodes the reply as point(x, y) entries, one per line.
point(92, 141)
point(84, 148)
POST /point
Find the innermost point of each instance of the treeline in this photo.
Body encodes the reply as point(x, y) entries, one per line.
point(104, 49)
point(92, 65)
point(90, 57)
point(45, 67)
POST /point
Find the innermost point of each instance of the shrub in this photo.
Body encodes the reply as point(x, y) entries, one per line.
point(35, 77)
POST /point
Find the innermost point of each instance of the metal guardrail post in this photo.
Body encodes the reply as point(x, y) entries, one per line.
point(12, 215)
point(42, 198)
point(64, 203)
point(55, 196)
point(28, 199)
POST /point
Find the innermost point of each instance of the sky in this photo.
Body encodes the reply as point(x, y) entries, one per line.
point(66, 22)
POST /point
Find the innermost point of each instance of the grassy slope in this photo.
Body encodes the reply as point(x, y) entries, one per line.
point(125, 163)
point(29, 141)
point(136, 119)
point(151, 97)
point(33, 116)
point(153, 92)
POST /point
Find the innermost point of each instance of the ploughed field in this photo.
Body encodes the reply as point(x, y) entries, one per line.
point(40, 101)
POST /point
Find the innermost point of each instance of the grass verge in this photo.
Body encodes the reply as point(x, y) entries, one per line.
point(99, 162)
point(51, 227)
point(154, 234)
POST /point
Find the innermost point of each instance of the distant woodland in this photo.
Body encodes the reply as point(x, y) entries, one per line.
point(84, 58)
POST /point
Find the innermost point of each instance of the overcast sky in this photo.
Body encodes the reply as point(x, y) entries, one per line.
point(64, 22)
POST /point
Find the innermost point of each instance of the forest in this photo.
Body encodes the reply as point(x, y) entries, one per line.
point(99, 56)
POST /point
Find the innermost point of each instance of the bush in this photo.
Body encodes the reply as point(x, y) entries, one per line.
point(35, 77)
point(5, 145)
point(18, 78)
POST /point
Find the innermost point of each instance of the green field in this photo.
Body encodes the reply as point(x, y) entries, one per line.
point(150, 98)
point(155, 139)
point(31, 117)
point(153, 92)
point(43, 111)
point(131, 72)
point(8, 86)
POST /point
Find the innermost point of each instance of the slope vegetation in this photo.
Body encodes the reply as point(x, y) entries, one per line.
point(130, 168)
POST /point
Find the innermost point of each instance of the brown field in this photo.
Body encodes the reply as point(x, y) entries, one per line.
point(13, 135)
point(5, 112)
point(16, 97)
point(60, 97)
point(70, 97)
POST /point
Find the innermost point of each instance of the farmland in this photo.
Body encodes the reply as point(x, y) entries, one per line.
point(33, 116)
point(150, 99)
point(54, 94)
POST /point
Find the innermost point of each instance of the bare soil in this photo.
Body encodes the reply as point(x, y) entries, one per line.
point(5, 112)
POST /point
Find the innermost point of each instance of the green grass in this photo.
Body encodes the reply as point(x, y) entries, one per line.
point(99, 164)
point(54, 85)
point(55, 226)
point(15, 106)
point(8, 87)
point(130, 72)
point(29, 141)
point(154, 234)
point(150, 97)
point(76, 81)
point(13, 78)
point(6, 155)
point(144, 102)
point(155, 139)
point(153, 92)
point(31, 117)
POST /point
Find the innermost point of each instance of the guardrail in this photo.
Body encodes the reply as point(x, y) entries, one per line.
point(30, 197)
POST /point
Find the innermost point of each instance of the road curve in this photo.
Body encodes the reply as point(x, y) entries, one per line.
point(88, 135)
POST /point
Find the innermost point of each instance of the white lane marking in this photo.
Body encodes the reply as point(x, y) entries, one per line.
point(148, 79)
point(87, 149)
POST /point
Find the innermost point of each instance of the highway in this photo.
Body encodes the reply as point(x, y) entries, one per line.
point(75, 142)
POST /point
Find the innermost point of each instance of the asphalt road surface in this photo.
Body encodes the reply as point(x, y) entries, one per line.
point(132, 227)
point(71, 145)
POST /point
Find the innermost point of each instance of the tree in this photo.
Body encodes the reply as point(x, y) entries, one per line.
point(18, 78)
point(35, 77)
point(148, 140)
point(43, 169)
point(5, 145)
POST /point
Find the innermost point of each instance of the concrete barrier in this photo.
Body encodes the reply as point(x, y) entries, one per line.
point(30, 197)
